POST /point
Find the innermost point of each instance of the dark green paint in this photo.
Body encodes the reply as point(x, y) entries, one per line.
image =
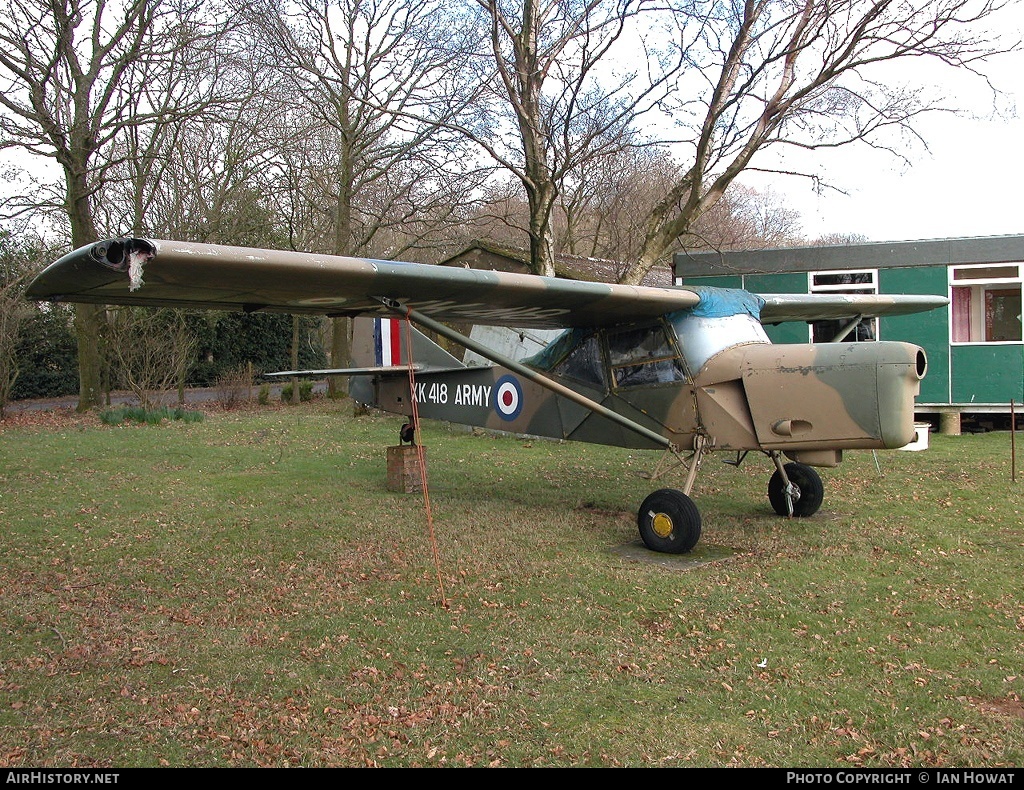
point(987, 374)
point(929, 330)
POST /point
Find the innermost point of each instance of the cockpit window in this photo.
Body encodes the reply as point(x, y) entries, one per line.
point(576, 353)
point(643, 355)
point(552, 353)
point(584, 363)
point(637, 355)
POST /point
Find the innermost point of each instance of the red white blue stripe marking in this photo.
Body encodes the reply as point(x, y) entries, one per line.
point(387, 341)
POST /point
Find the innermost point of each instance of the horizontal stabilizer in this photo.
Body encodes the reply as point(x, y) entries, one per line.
point(374, 370)
point(368, 371)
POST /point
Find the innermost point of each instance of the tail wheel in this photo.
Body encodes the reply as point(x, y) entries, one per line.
point(669, 522)
point(808, 491)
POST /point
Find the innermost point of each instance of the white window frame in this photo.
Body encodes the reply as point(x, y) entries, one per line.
point(843, 288)
point(978, 287)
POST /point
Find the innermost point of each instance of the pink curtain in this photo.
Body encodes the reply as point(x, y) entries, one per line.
point(961, 315)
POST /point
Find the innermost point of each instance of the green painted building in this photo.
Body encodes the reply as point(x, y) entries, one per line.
point(975, 346)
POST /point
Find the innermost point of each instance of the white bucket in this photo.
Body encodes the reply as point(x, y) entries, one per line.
point(920, 442)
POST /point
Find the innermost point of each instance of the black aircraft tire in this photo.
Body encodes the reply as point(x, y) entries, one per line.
point(669, 522)
point(808, 484)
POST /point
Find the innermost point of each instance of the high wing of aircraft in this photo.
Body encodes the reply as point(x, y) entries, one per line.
point(686, 369)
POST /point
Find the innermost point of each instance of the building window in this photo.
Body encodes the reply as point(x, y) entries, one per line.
point(855, 281)
point(986, 303)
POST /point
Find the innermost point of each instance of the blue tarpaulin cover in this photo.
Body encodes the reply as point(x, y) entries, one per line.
point(721, 302)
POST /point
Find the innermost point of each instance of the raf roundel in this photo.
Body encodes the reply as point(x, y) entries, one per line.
point(508, 400)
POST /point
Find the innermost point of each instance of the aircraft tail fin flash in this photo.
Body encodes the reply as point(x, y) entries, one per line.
point(383, 343)
point(387, 341)
point(379, 349)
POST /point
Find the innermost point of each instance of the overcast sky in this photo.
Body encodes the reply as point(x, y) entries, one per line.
point(969, 184)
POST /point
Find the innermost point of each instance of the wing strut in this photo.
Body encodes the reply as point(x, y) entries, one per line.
point(846, 329)
point(526, 372)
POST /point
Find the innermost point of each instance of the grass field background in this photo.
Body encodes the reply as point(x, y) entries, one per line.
point(245, 591)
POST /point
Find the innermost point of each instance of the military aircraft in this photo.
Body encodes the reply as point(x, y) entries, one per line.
point(687, 369)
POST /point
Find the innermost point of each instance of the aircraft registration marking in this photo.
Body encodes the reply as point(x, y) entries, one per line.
point(458, 394)
point(481, 311)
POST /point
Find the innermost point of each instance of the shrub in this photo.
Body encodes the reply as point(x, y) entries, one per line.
point(234, 387)
point(305, 391)
point(47, 356)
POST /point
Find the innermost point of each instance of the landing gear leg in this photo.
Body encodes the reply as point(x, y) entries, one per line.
point(700, 448)
point(780, 489)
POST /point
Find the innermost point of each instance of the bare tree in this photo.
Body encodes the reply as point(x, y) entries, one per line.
point(565, 87)
point(367, 147)
point(500, 215)
point(206, 176)
point(373, 169)
point(607, 214)
point(744, 219)
point(840, 239)
point(602, 210)
point(13, 311)
point(765, 75)
point(604, 203)
point(75, 77)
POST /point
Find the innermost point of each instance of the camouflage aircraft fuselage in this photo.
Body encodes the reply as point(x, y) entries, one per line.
point(811, 400)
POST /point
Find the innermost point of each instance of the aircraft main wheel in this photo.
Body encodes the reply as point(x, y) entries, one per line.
point(669, 522)
point(808, 490)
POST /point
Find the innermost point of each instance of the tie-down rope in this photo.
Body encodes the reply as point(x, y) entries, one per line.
point(421, 459)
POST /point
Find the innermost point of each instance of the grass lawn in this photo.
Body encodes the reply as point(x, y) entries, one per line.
point(246, 591)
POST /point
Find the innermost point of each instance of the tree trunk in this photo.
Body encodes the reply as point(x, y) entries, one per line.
point(636, 272)
point(296, 395)
point(663, 231)
point(341, 351)
point(89, 319)
point(542, 243)
point(542, 249)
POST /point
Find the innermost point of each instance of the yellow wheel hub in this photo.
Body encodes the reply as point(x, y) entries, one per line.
point(662, 525)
